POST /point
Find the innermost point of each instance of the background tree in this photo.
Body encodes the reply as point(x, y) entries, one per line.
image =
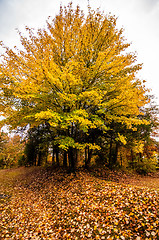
point(11, 151)
point(3, 142)
point(37, 145)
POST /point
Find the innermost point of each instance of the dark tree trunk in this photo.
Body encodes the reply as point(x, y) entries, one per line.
point(46, 154)
point(115, 154)
point(53, 157)
point(57, 156)
point(88, 155)
point(72, 158)
point(132, 158)
point(39, 158)
point(90, 151)
point(34, 159)
point(121, 160)
point(65, 159)
point(76, 157)
point(110, 153)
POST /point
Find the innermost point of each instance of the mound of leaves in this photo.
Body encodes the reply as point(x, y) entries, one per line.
point(49, 204)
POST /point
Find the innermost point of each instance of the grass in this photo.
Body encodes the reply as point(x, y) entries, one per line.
point(50, 204)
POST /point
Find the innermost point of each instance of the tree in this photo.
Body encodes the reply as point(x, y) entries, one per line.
point(140, 143)
point(76, 76)
point(3, 142)
point(11, 150)
point(37, 145)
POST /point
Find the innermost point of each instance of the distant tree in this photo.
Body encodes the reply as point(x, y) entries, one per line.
point(3, 141)
point(10, 151)
point(140, 143)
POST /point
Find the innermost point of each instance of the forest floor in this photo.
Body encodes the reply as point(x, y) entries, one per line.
point(44, 203)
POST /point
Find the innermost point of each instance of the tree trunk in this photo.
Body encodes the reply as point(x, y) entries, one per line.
point(65, 159)
point(39, 158)
point(53, 157)
point(115, 157)
point(72, 159)
point(121, 159)
point(57, 156)
point(86, 158)
point(46, 155)
point(90, 151)
point(110, 153)
point(34, 159)
point(88, 155)
point(76, 157)
point(132, 159)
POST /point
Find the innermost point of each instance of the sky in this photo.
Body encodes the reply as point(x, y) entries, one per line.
point(139, 18)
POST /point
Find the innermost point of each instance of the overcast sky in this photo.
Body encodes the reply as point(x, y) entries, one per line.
point(140, 19)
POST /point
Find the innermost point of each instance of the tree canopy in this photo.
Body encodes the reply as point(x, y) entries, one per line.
point(76, 76)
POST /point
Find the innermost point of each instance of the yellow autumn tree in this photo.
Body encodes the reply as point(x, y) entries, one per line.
point(75, 75)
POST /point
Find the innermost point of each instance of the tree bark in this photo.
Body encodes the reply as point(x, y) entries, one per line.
point(46, 155)
point(121, 160)
point(53, 157)
point(115, 157)
point(65, 159)
point(57, 156)
point(110, 153)
point(39, 158)
point(90, 151)
point(34, 158)
point(88, 155)
point(72, 159)
point(132, 158)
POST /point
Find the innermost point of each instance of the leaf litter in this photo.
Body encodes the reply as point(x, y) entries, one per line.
point(49, 204)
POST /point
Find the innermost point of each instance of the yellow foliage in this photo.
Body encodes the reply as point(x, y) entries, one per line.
point(138, 146)
point(121, 138)
point(75, 69)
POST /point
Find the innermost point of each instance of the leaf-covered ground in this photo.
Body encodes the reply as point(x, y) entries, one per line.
point(38, 203)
